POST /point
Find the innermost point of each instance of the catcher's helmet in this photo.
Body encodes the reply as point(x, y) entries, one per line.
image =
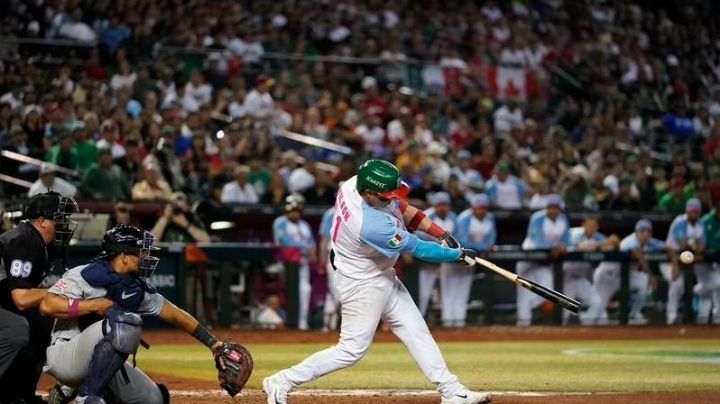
point(131, 240)
point(294, 202)
point(52, 205)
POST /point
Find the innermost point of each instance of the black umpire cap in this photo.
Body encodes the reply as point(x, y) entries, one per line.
point(53, 206)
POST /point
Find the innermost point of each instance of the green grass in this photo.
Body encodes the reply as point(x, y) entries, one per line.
point(633, 365)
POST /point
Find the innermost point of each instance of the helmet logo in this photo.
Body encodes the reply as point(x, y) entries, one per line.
point(376, 182)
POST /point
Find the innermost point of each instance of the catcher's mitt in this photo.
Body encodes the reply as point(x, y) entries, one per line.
point(234, 364)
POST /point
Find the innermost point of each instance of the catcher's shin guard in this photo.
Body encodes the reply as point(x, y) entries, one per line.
point(123, 331)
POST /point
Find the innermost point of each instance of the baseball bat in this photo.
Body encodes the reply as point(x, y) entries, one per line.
point(547, 293)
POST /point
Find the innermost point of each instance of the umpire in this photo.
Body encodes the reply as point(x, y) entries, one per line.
point(24, 263)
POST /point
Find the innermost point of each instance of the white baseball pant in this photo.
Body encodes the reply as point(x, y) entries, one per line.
point(455, 281)
point(708, 289)
point(526, 300)
point(363, 303)
point(607, 281)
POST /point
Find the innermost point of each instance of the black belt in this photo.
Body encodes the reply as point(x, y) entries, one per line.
point(332, 260)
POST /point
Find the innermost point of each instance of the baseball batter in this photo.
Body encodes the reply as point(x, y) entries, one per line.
point(548, 229)
point(428, 272)
point(112, 289)
point(686, 232)
point(475, 229)
point(369, 232)
point(577, 274)
point(607, 275)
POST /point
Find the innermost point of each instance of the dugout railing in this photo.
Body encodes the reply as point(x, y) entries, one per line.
point(181, 277)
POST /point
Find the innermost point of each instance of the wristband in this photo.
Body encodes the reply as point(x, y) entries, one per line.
point(203, 335)
point(416, 219)
point(73, 309)
point(436, 231)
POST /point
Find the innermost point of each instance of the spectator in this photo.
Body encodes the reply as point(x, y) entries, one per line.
point(103, 181)
point(259, 103)
point(323, 192)
point(626, 199)
point(470, 180)
point(131, 163)
point(506, 191)
point(240, 190)
point(110, 137)
point(507, 118)
point(16, 144)
point(260, 176)
point(84, 149)
point(48, 182)
point(674, 201)
point(152, 188)
point(301, 178)
point(121, 215)
point(64, 154)
point(268, 316)
point(178, 223)
point(124, 78)
point(576, 191)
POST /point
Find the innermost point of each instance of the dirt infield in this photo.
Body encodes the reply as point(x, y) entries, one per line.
point(646, 398)
point(194, 391)
point(496, 333)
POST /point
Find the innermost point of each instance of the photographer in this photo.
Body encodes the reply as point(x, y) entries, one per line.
point(178, 223)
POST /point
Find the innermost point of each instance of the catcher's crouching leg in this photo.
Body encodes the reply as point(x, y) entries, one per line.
point(123, 331)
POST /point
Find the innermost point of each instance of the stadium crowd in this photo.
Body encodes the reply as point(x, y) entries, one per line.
point(615, 107)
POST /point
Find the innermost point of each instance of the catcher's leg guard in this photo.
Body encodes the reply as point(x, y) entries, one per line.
point(123, 332)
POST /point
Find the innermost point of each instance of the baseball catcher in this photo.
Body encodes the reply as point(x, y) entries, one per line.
point(90, 356)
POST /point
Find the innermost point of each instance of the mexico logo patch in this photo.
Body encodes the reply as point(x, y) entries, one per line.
point(395, 241)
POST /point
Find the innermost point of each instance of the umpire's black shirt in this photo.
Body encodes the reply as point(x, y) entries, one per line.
point(24, 262)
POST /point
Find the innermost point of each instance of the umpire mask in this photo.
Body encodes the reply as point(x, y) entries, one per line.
point(59, 208)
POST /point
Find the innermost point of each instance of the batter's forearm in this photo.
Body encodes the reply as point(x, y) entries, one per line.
point(415, 219)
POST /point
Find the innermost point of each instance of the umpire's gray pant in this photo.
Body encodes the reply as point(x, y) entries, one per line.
point(68, 362)
point(14, 335)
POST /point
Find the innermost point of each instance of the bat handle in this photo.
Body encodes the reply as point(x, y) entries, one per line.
point(470, 261)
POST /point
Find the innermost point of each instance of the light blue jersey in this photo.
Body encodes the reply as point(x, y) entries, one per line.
point(544, 233)
point(474, 233)
point(682, 231)
point(293, 234)
point(509, 194)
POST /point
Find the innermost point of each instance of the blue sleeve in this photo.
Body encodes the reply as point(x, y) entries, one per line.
point(522, 188)
point(566, 233)
point(535, 232)
point(434, 252)
point(326, 224)
point(491, 191)
point(628, 243)
point(282, 238)
point(462, 229)
point(379, 232)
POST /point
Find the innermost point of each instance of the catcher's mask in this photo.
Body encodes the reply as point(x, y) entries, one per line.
point(59, 208)
point(131, 240)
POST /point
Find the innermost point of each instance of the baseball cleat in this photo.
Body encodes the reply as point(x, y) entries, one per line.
point(468, 397)
point(276, 392)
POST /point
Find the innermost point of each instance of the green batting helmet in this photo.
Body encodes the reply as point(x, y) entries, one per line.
point(382, 178)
